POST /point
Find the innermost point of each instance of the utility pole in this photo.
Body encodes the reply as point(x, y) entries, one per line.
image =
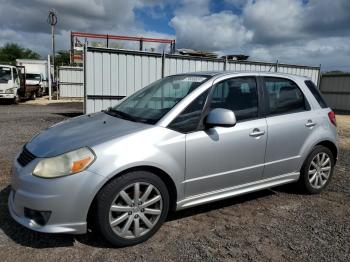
point(52, 20)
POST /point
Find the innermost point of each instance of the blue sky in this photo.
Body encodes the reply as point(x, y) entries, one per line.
point(157, 18)
point(309, 32)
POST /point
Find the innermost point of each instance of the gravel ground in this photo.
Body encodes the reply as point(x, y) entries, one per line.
point(271, 225)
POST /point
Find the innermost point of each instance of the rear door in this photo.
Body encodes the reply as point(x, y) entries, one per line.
point(290, 124)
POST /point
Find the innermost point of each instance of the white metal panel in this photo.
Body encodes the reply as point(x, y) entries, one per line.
point(311, 72)
point(117, 74)
point(71, 82)
point(113, 74)
point(178, 65)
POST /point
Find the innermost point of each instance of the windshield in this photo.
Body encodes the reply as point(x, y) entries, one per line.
point(152, 102)
point(5, 74)
point(33, 77)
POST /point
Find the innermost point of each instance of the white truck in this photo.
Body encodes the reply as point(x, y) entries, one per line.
point(13, 84)
point(36, 73)
point(9, 83)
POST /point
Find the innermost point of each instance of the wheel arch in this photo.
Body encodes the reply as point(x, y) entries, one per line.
point(328, 143)
point(331, 146)
point(165, 177)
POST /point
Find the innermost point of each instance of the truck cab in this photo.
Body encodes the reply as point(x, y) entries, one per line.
point(35, 79)
point(9, 82)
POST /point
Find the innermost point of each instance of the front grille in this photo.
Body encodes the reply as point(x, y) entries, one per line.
point(25, 157)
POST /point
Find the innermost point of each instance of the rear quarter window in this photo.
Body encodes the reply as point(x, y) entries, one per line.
point(284, 96)
point(313, 89)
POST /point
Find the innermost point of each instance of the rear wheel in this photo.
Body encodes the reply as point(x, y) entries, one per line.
point(317, 170)
point(131, 208)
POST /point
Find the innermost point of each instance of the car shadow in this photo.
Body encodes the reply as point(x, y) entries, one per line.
point(6, 102)
point(70, 114)
point(29, 238)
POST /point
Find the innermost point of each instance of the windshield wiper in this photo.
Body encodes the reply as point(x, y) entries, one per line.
point(120, 114)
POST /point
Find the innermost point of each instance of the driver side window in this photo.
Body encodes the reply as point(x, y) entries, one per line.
point(188, 120)
point(237, 94)
point(15, 76)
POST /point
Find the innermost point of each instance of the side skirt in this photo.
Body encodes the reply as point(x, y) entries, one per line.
point(236, 190)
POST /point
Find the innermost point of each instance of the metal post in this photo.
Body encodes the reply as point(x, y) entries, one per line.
point(57, 85)
point(319, 78)
point(53, 50)
point(225, 63)
point(52, 20)
point(163, 63)
point(71, 48)
point(141, 44)
point(49, 75)
point(84, 79)
point(276, 66)
point(107, 44)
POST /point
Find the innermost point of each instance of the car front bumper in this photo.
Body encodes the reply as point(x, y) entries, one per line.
point(7, 96)
point(66, 199)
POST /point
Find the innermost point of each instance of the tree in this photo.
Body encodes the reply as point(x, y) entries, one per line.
point(12, 51)
point(62, 58)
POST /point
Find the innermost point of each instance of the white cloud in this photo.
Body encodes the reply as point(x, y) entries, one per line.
point(193, 8)
point(273, 20)
point(293, 31)
point(29, 27)
point(198, 29)
point(330, 52)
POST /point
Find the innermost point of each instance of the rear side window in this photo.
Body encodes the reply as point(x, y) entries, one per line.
point(284, 96)
point(313, 89)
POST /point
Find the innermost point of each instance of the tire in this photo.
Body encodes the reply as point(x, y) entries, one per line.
point(313, 180)
point(33, 96)
point(131, 215)
point(16, 100)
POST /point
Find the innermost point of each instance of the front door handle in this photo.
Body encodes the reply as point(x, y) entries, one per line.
point(310, 123)
point(256, 132)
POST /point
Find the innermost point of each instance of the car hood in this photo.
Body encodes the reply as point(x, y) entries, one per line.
point(87, 130)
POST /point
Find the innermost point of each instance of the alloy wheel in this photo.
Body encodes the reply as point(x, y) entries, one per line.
point(319, 170)
point(135, 210)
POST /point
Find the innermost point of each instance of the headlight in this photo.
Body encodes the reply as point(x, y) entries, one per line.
point(66, 164)
point(9, 90)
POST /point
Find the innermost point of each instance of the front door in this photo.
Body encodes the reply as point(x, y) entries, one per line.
point(220, 157)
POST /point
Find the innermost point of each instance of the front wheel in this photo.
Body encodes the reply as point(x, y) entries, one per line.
point(131, 208)
point(33, 96)
point(317, 170)
point(16, 100)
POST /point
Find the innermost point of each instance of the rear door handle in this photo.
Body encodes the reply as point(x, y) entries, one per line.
point(310, 123)
point(256, 132)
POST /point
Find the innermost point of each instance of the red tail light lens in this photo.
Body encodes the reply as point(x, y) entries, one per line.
point(331, 116)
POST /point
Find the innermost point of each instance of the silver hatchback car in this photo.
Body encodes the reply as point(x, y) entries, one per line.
point(182, 141)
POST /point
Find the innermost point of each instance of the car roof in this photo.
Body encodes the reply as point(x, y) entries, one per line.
point(224, 73)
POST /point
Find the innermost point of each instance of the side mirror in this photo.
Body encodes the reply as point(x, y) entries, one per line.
point(220, 117)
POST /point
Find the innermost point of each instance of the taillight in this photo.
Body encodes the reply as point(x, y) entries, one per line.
point(331, 116)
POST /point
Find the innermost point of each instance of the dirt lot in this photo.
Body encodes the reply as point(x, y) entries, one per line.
point(272, 225)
